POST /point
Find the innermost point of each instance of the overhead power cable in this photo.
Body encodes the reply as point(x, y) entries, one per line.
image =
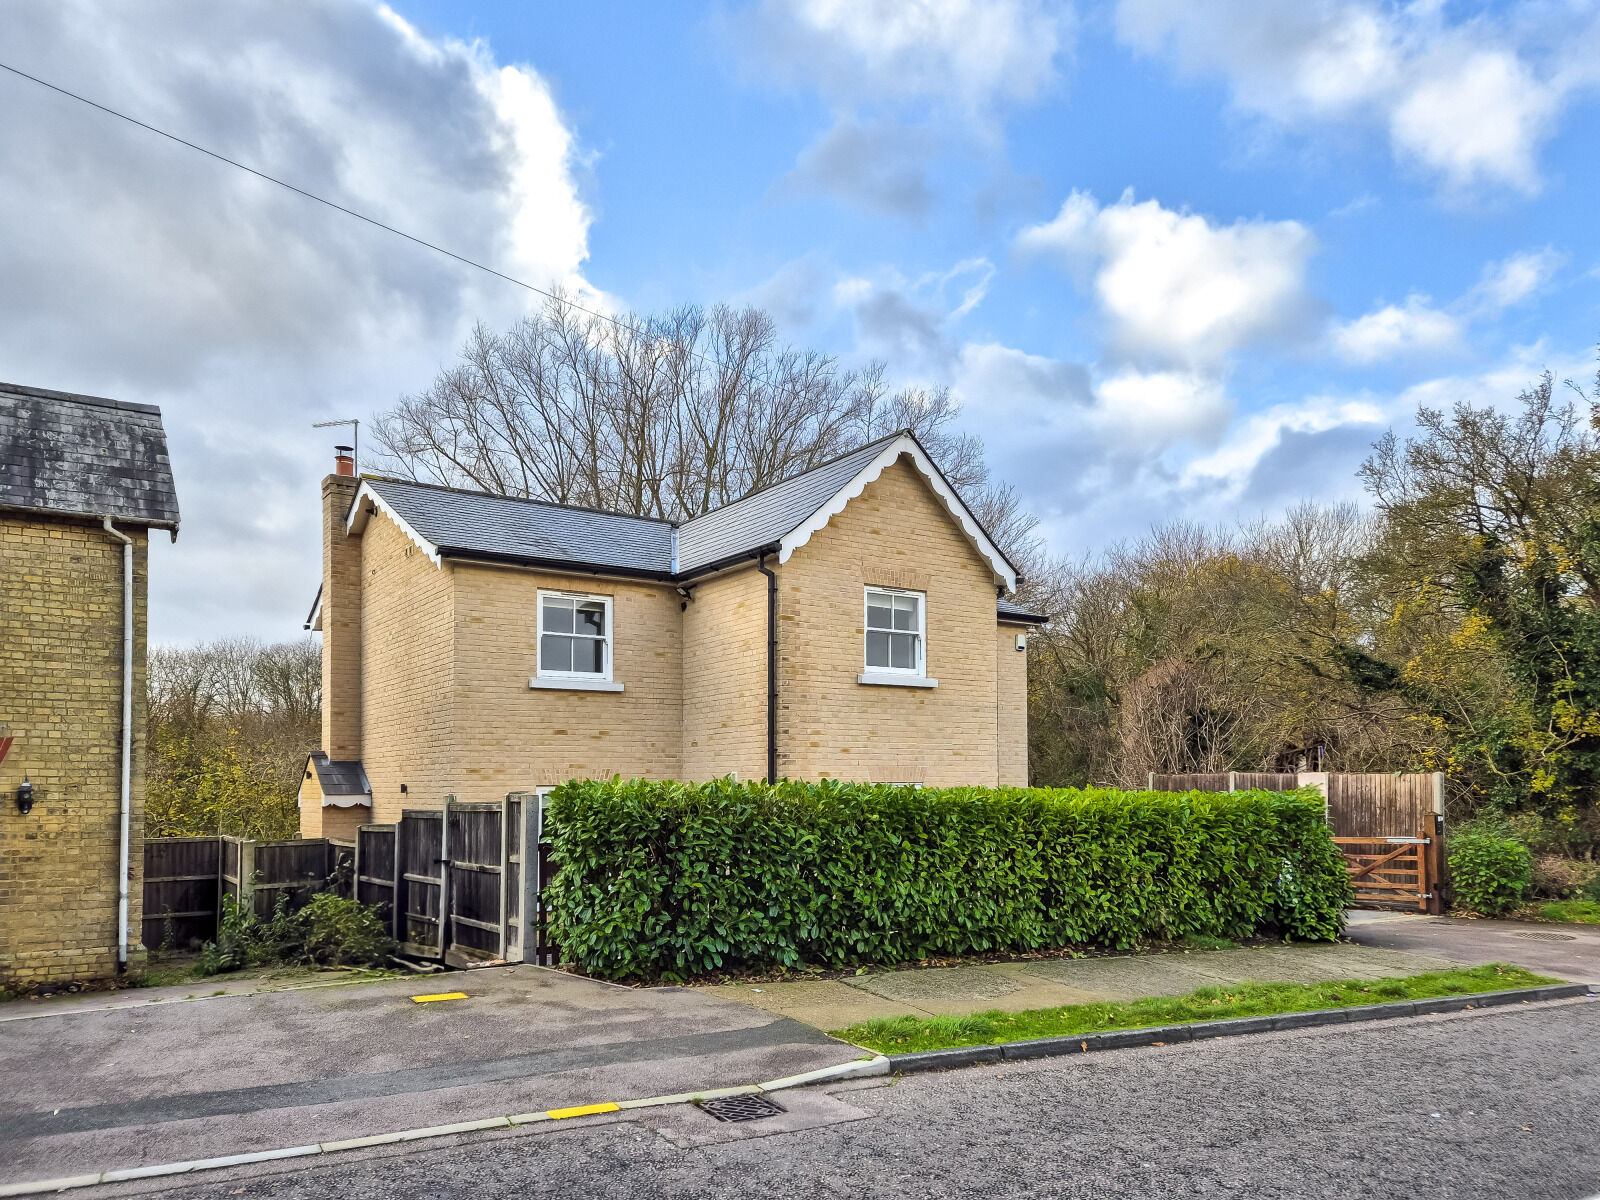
point(337, 207)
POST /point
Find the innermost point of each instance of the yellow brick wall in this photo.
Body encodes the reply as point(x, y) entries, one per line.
point(310, 800)
point(510, 736)
point(831, 725)
point(1013, 699)
point(61, 693)
point(725, 677)
point(408, 726)
point(446, 654)
point(341, 623)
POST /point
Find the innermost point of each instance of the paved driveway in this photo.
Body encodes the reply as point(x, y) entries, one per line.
point(1563, 951)
point(94, 1083)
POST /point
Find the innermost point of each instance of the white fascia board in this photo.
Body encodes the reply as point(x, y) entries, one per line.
point(314, 622)
point(359, 800)
point(368, 500)
point(801, 534)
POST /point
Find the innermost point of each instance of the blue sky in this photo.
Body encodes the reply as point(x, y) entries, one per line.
point(1176, 260)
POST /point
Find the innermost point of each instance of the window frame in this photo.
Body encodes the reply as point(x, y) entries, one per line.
point(920, 670)
point(609, 639)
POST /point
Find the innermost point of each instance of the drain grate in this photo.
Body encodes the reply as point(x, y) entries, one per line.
point(1548, 937)
point(741, 1108)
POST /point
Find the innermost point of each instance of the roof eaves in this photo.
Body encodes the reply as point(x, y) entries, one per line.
point(356, 522)
point(902, 443)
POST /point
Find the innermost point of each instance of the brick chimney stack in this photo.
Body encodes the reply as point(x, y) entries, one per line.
point(341, 614)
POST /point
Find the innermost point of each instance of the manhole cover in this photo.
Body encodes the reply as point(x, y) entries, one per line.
point(741, 1108)
point(1548, 937)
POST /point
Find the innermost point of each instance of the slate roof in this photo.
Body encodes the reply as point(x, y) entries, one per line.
point(460, 523)
point(84, 456)
point(476, 524)
point(763, 517)
point(1017, 614)
point(340, 777)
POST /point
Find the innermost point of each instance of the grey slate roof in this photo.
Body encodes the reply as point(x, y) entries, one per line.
point(483, 525)
point(479, 524)
point(340, 777)
point(763, 517)
point(84, 456)
point(1017, 614)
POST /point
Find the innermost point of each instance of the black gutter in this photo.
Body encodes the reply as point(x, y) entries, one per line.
point(772, 666)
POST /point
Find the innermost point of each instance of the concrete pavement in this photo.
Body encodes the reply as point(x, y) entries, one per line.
point(1474, 1106)
point(1054, 982)
point(1562, 951)
point(90, 1087)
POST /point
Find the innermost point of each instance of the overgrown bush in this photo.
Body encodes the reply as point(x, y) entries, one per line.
point(331, 930)
point(668, 879)
point(1491, 874)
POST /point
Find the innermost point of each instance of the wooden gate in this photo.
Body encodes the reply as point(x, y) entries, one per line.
point(457, 882)
point(419, 882)
point(1392, 870)
point(1390, 827)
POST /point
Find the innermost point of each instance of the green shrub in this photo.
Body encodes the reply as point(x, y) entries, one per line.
point(1491, 874)
point(330, 931)
point(1591, 890)
point(667, 879)
point(339, 932)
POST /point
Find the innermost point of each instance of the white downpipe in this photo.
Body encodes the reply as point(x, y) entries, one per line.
point(127, 741)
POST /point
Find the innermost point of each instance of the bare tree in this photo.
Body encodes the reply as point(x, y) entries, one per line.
point(669, 416)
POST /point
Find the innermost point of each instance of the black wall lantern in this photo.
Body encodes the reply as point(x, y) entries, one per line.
point(24, 797)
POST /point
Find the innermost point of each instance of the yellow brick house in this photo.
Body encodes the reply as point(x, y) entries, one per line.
point(83, 482)
point(851, 622)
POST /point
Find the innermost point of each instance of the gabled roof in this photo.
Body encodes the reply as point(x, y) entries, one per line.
point(84, 456)
point(447, 522)
point(343, 781)
point(453, 523)
point(763, 518)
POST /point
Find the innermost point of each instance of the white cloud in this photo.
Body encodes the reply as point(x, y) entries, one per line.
point(1418, 327)
point(971, 54)
point(1515, 279)
point(141, 270)
point(1470, 101)
point(1176, 287)
point(1391, 331)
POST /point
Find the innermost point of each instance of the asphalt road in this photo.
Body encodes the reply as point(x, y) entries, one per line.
point(1500, 1103)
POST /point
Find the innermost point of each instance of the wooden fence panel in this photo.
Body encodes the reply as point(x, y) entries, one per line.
point(476, 872)
point(417, 907)
point(182, 882)
point(373, 868)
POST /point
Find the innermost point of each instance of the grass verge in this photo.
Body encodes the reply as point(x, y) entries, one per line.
point(901, 1035)
point(1572, 912)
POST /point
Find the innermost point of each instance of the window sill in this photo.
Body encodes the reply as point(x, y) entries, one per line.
point(574, 685)
point(888, 679)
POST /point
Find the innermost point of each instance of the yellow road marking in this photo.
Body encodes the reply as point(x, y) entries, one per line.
point(584, 1110)
point(439, 996)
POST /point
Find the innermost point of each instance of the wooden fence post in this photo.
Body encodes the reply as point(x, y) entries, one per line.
point(444, 876)
point(397, 906)
point(1233, 781)
point(247, 875)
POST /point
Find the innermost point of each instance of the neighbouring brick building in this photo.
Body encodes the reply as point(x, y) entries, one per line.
point(69, 467)
point(475, 644)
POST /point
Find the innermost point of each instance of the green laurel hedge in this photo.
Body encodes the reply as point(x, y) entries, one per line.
point(668, 879)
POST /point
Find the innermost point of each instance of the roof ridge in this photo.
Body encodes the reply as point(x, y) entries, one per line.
point(39, 393)
point(443, 487)
point(821, 466)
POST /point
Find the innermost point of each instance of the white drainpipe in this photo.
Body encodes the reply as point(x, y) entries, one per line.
point(127, 740)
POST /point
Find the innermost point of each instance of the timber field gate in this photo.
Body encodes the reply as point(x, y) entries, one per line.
point(455, 881)
point(1390, 828)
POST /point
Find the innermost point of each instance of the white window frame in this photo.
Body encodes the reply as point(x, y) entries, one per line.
point(913, 676)
point(594, 681)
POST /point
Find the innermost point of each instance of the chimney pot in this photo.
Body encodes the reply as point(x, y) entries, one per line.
point(344, 460)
